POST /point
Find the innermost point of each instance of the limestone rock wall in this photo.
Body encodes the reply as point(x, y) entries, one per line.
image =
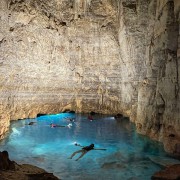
point(110, 56)
point(149, 46)
point(158, 113)
point(57, 55)
point(132, 47)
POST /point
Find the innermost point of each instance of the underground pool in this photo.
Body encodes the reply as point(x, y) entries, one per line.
point(128, 155)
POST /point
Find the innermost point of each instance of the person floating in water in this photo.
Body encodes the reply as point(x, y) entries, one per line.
point(90, 117)
point(83, 151)
point(70, 119)
point(69, 125)
point(56, 125)
point(31, 123)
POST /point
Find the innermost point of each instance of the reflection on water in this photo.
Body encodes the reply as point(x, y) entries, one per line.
point(128, 155)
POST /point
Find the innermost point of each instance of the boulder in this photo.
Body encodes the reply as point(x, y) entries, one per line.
point(5, 162)
point(170, 173)
point(10, 170)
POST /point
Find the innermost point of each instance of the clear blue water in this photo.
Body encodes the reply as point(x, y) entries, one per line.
point(126, 157)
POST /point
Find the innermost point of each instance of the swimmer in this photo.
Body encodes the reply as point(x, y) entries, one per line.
point(84, 150)
point(56, 125)
point(90, 118)
point(31, 123)
point(69, 125)
point(70, 119)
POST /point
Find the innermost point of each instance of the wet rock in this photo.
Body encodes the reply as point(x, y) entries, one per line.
point(26, 172)
point(5, 162)
point(10, 170)
point(170, 173)
point(42, 176)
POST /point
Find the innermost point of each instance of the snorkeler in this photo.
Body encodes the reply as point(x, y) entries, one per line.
point(70, 119)
point(83, 151)
point(69, 125)
point(56, 125)
point(90, 117)
point(31, 123)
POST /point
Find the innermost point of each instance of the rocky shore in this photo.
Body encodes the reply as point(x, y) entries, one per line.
point(10, 170)
point(169, 173)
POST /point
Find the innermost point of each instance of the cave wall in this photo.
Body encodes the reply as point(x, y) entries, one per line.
point(58, 55)
point(158, 113)
point(149, 39)
point(110, 56)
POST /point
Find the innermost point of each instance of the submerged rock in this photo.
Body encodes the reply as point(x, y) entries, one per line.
point(164, 162)
point(113, 165)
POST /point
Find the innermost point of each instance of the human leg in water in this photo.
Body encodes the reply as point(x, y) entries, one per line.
point(82, 151)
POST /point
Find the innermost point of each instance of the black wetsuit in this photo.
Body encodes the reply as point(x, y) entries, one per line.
point(88, 148)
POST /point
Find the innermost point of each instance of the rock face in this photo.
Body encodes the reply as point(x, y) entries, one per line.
point(10, 170)
point(158, 96)
point(5, 162)
point(170, 173)
point(110, 56)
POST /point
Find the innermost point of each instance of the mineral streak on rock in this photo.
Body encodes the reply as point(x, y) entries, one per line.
point(110, 56)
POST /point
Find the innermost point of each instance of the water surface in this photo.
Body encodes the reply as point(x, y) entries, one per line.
point(128, 154)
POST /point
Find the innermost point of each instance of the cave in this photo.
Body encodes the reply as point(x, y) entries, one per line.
point(103, 56)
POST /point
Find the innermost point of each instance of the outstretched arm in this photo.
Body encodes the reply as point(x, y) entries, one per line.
point(60, 126)
point(99, 149)
point(78, 145)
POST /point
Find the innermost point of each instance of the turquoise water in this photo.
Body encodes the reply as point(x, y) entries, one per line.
point(127, 156)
